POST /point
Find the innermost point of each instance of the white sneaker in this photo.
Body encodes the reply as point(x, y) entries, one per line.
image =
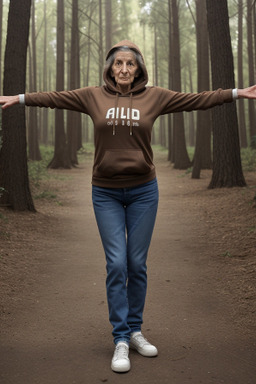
point(120, 361)
point(140, 344)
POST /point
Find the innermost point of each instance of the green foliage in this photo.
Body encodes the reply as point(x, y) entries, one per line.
point(1, 191)
point(38, 172)
point(187, 172)
point(226, 254)
point(38, 169)
point(2, 217)
point(253, 142)
point(87, 150)
point(248, 156)
point(191, 151)
point(159, 148)
point(46, 195)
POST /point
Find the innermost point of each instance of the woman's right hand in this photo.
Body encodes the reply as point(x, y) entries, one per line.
point(8, 101)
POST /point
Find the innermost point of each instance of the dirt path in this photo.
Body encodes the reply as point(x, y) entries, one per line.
point(55, 328)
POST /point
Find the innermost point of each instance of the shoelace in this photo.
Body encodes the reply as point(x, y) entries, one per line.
point(121, 352)
point(141, 339)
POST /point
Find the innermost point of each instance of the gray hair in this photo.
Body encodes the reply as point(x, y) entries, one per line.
point(111, 58)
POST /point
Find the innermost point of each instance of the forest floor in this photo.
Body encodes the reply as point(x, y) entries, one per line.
point(201, 302)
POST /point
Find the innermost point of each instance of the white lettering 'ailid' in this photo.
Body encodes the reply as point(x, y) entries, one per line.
point(123, 113)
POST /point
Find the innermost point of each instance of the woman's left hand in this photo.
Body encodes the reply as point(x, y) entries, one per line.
point(247, 93)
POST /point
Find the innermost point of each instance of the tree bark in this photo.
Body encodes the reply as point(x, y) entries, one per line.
point(108, 24)
point(252, 119)
point(227, 169)
point(61, 158)
point(74, 124)
point(86, 136)
point(13, 156)
point(1, 35)
point(191, 136)
point(181, 158)
point(33, 145)
point(100, 43)
point(170, 128)
point(45, 110)
point(202, 158)
point(241, 115)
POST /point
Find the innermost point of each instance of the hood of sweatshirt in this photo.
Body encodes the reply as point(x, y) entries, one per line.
point(139, 83)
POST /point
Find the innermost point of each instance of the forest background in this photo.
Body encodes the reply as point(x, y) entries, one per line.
point(57, 45)
point(67, 44)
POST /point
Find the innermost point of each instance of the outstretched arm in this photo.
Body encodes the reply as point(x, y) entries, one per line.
point(8, 101)
point(75, 100)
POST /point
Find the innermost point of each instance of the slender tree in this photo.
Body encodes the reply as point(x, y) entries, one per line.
point(170, 76)
point(227, 169)
point(100, 42)
point(202, 158)
point(91, 10)
point(1, 34)
point(45, 110)
point(191, 137)
point(252, 118)
point(74, 124)
point(242, 124)
point(33, 144)
point(180, 159)
point(61, 158)
point(108, 24)
point(13, 156)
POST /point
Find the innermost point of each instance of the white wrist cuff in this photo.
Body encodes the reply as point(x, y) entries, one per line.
point(234, 94)
point(22, 98)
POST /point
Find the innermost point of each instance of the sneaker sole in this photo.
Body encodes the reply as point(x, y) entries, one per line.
point(121, 369)
point(143, 353)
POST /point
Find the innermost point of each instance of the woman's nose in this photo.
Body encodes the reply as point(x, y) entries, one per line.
point(124, 68)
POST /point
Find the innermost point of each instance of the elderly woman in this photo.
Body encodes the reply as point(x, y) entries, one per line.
point(124, 184)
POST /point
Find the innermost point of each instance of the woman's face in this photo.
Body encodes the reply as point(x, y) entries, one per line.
point(124, 70)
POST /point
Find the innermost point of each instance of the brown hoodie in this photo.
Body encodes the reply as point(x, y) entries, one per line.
point(123, 122)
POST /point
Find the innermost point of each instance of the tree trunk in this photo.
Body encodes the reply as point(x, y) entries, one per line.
point(155, 58)
point(1, 34)
point(108, 24)
point(100, 43)
point(61, 158)
point(74, 124)
point(33, 145)
point(227, 169)
point(202, 158)
point(242, 124)
point(181, 158)
point(13, 156)
point(45, 110)
point(191, 136)
point(86, 138)
point(170, 141)
point(252, 120)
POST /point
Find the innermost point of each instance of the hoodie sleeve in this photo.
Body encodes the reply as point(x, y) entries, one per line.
point(76, 100)
point(178, 102)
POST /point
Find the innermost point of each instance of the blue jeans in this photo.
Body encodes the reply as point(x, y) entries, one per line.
point(126, 218)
